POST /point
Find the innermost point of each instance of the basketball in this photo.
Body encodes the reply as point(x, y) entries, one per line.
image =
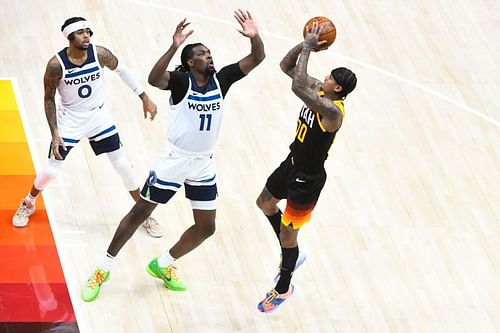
point(328, 33)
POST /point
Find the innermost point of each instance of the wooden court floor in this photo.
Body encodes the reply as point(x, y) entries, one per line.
point(406, 235)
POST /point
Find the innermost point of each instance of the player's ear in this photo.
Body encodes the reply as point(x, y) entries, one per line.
point(190, 62)
point(338, 88)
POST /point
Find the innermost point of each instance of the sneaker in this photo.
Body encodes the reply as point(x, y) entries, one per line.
point(22, 216)
point(273, 300)
point(153, 227)
point(300, 260)
point(93, 286)
point(167, 274)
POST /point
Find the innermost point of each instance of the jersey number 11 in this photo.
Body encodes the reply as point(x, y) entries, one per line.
point(208, 122)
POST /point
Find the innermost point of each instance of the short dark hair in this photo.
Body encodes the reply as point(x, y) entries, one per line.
point(73, 20)
point(346, 78)
point(186, 54)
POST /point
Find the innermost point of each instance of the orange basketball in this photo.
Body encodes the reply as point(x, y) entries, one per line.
point(328, 33)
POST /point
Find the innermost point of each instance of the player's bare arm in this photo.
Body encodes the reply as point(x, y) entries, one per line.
point(53, 74)
point(289, 62)
point(331, 115)
point(106, 58)
point(109, 60)
point(159, 76)
point(249, 29)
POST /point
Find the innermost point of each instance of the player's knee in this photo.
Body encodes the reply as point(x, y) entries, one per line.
point(50, 171)
point(123, 168)
point(287, 237)
point(139, 213)
point(262, 203)
point(266, 206)
point(259, 202)
point(208, 229)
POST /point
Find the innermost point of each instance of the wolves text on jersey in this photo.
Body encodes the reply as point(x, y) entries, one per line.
point(204, 106)
point(84, 79)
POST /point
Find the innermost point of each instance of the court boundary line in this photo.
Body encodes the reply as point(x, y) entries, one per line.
point(65, 263)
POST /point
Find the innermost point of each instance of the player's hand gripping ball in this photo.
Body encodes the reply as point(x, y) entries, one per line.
point(328, 30)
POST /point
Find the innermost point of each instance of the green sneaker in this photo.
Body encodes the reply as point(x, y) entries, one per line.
point(167, 274)
point(93, 286)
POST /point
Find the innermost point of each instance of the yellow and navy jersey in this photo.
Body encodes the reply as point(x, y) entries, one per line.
point(312, 142)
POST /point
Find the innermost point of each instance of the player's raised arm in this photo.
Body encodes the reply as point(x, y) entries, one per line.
point(249, 29)
point(159, 76)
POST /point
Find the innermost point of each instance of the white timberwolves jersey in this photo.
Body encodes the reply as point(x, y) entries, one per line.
point(196, 119)
point(81, 88)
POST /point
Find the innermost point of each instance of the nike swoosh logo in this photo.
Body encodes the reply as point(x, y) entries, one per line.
point(298, 180)
point(71, 70)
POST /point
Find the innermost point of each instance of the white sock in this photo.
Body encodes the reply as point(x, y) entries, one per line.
point(106, 262)
point(165, 259)
point(30, 200)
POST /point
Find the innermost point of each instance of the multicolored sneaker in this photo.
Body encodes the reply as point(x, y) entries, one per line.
point(93, 286)
point(300, 260)
point(167, 274)
point(153, 227)
point(22, 216)
point(273, 300)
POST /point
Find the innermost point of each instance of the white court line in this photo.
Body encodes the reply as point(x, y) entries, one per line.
point(400, 78)
point(58, 237)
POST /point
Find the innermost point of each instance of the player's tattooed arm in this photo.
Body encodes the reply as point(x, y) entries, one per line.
point(289, 62)
point(106, 58)
point(331, 114)
point(53, 74)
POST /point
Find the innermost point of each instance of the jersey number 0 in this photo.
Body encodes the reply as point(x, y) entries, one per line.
point(301, 130)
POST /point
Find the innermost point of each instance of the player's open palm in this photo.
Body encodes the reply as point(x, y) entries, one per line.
point(180, 35)
point(248, 26)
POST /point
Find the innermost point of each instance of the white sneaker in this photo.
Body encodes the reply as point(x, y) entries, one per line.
point(22, 216)
point(300, 260)
point(153, 227)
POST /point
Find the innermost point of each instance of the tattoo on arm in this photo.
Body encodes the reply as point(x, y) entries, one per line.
point(303, 89)
point(106, 58)
point(288, 62)
point(288, 65)
point(53, 74)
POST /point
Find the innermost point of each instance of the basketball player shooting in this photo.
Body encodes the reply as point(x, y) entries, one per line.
point(301, 176)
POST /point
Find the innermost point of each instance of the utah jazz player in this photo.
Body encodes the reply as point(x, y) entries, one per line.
point(301, 176)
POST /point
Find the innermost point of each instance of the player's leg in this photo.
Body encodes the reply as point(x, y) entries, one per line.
point(302, 198)
point(127, 227)
point(163, 266)
point(49, 172)
point(164, 180)
point(203, 228)
point(274, 190)
point(201, 190)
point(155, 191)
point(104, 138)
